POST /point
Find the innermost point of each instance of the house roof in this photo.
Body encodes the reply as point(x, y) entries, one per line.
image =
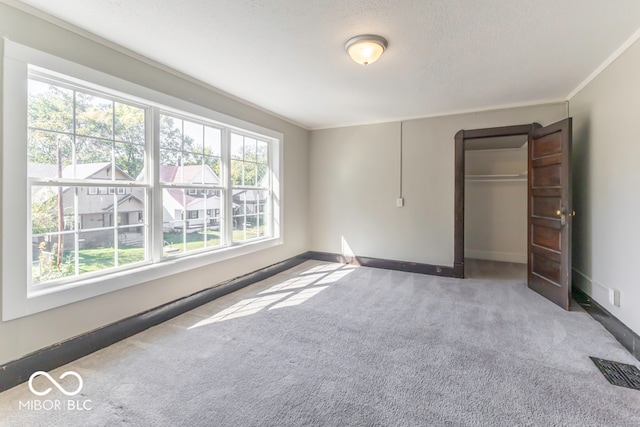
point(189, 173)
point(121, 201)
point(170, 174)
point(177, 194)
point(83, 170)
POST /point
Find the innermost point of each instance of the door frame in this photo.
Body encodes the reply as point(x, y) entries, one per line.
point(459, 185)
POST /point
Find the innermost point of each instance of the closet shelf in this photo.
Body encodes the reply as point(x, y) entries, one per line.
point(497, 177)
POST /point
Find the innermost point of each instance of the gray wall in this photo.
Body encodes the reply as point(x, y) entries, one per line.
point(355, 180)
point(606, 159)
point(22, 336)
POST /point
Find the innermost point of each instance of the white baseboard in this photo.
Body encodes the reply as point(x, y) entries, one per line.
point(520, 258)
point(597, 291)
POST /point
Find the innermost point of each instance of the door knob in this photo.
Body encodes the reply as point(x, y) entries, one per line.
point(561, 213)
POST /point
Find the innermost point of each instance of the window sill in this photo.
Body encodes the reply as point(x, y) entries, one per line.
point(52, 297)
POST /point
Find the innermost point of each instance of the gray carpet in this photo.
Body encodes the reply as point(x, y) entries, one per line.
point(333, 345)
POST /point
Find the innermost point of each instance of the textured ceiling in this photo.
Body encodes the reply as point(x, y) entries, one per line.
point(287, 56)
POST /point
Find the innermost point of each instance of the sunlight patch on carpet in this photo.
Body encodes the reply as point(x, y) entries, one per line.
point(300, 289)
point(243, 308)
point(300, 297)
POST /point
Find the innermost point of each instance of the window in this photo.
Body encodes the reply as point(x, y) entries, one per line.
point(191, 167)
point(78, 137)
point(87, 133)
point(250, 186)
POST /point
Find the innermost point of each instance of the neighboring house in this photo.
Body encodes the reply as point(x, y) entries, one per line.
point(190, 208)
point(95, 207)
point(248, 205)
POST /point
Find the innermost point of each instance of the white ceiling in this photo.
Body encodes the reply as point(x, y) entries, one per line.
point(287, 56)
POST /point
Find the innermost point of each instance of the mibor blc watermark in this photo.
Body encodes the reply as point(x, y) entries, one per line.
point(56, 404)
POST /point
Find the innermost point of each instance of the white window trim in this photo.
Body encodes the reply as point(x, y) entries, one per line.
point(18, 299)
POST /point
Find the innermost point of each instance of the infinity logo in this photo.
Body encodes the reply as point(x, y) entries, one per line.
point(55, 383)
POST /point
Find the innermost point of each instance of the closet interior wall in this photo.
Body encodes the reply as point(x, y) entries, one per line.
point(496, 202)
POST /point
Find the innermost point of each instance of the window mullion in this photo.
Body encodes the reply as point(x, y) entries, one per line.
point(226, 221)
point(269, 209)
point(154, 195)
point(76, 233)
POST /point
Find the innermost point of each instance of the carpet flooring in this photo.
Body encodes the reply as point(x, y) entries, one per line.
point(328, 344)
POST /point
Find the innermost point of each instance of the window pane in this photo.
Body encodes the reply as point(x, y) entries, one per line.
point(130, 244)
point(192, 167)
point(93, 157)
point(250, 151)
point(97, 211)
point(129, 162)
point(170, 160)
point(213, 234)
point(170, 133)
point(51, 258)
point(94, 116)
point(50, 107)
point(45, 150)
point(192, 171)
point(193, 137)
point(263, 152)
point(212, 170)
point(96, 251)
point(212, 141)
point(237, 172)
point(45, 209)
point(248, 221)
point(237, 146)
point(261, 175)
point(191, 220)
point(249, 173)
point(173, 201)
point(129, 121)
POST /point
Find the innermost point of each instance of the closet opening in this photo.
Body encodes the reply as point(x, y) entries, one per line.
point(549, 210)
point(495, 221)
point(491, 202)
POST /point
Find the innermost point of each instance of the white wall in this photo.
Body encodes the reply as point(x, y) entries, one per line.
point(495, 211)
point(22, 336)
point(606, 183)
point(355, 181)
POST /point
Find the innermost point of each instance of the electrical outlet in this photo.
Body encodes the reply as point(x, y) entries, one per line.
point(614, 297)
point(400, 202)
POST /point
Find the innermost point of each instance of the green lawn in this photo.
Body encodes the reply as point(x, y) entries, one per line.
point(95, 259)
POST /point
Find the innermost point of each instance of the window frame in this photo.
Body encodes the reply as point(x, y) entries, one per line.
point(19, 298)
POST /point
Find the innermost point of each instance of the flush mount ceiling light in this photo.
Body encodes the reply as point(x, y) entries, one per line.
point(365, 49)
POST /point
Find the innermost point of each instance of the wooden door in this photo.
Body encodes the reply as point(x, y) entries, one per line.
point(550, 212)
